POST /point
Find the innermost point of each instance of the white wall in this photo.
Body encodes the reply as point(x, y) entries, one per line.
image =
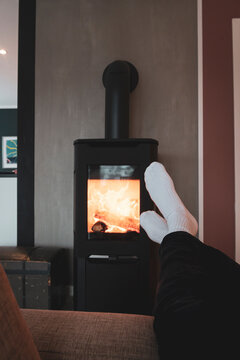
point(8, 211)
point(9, 62)
point(8, 100)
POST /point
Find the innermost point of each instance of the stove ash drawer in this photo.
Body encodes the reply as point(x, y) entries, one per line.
point(113, 285)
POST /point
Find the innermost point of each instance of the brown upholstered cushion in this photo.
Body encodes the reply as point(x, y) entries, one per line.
point(72, 335)
point(16, 342)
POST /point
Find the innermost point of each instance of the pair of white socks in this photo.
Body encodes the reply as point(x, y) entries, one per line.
point(175, 215)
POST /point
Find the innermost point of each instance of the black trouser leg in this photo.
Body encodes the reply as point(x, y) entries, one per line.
point(198, 300)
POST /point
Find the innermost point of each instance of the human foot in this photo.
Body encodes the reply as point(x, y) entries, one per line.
point(154, 225)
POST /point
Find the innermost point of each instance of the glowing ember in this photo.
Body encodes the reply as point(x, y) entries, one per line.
point(115, 204)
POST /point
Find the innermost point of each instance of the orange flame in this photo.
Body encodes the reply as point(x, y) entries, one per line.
point(116, 203)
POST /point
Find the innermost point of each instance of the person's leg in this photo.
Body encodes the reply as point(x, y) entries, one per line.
point(198, 300)
point(198, 295)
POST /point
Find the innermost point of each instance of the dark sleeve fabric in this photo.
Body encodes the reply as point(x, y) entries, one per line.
point(197, 312)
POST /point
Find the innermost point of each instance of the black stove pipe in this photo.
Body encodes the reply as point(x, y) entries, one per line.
point(119, 79)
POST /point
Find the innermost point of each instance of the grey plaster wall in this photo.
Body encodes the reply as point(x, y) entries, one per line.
point(75, 41)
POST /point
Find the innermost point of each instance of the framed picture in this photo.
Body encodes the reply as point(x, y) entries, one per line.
point(9, 152)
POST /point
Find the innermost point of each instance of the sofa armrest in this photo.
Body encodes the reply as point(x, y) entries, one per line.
point(16, 342)
point(84, 335)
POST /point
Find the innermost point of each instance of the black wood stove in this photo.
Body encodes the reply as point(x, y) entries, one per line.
point(114, 261)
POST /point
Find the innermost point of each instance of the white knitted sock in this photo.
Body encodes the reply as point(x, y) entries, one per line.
point(154, 225)
point(162, 191)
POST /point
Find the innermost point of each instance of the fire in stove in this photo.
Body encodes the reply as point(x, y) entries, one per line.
point(113, 205)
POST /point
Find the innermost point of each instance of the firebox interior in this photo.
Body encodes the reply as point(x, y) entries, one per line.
point(113, 199)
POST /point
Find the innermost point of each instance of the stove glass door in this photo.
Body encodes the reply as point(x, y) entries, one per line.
point(113, 205)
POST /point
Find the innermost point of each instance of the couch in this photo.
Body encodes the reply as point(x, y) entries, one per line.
point(55, 334)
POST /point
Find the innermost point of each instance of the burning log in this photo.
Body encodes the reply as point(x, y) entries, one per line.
point(99, 226)
point(126, 222)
